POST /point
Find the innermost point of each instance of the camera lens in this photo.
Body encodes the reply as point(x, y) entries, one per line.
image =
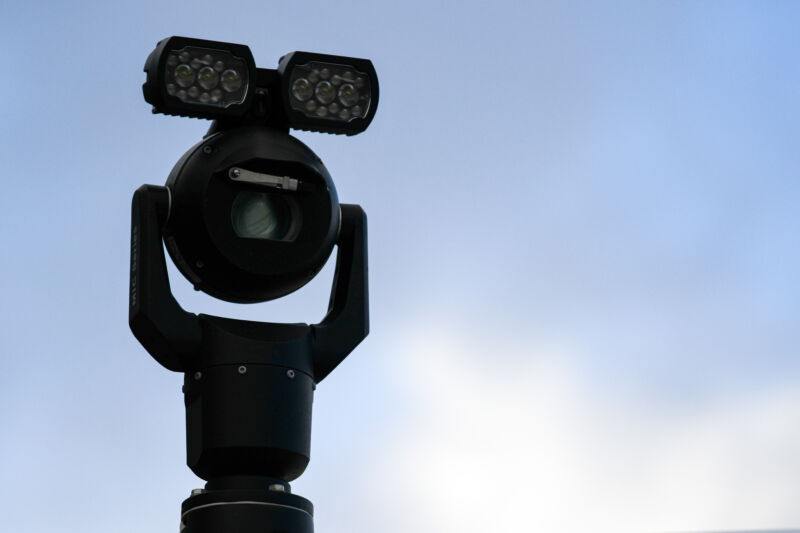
point(261, 216)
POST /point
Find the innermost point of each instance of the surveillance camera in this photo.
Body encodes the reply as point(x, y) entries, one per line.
point(250, 214)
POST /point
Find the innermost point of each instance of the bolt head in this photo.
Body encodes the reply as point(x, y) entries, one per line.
point(242, 369)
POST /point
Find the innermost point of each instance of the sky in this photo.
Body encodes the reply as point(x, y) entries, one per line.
point(584, 266)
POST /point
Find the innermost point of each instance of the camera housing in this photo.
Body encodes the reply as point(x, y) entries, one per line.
point(201, 232)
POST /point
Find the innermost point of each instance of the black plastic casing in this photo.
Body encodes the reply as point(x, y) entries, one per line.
point(299, 121)
point(248, 406)
point(246, 511)
point(248, 386)
point(199, 235)
point(155, 90)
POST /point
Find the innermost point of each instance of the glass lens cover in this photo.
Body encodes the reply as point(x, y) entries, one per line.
point(330, 91)
point(206, 77)
point(269, 216)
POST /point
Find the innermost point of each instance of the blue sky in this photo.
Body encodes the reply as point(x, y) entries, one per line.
point(583, 259)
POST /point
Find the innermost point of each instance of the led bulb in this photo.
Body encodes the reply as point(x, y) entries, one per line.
point(231, 80)
point(184, 75)
point(325, 92)
point(348, 95)
point(207, 78)
point(302, 89)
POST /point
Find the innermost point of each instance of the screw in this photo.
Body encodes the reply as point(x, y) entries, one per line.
point(277, 487)
point(242, 369)
point(208, 149)
point(195, 492)
point(235, 172)
point(198, 375)
point(290, 373)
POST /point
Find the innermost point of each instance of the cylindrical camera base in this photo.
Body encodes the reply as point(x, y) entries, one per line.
point(246, 511)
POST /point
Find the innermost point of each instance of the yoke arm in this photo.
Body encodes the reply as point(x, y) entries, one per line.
point(170, 334)
point(347, 321)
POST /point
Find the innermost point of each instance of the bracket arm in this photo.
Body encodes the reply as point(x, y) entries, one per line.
point(170, 334)
point(347, 321)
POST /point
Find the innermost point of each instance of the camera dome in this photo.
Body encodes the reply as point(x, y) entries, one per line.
point(254, 214)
